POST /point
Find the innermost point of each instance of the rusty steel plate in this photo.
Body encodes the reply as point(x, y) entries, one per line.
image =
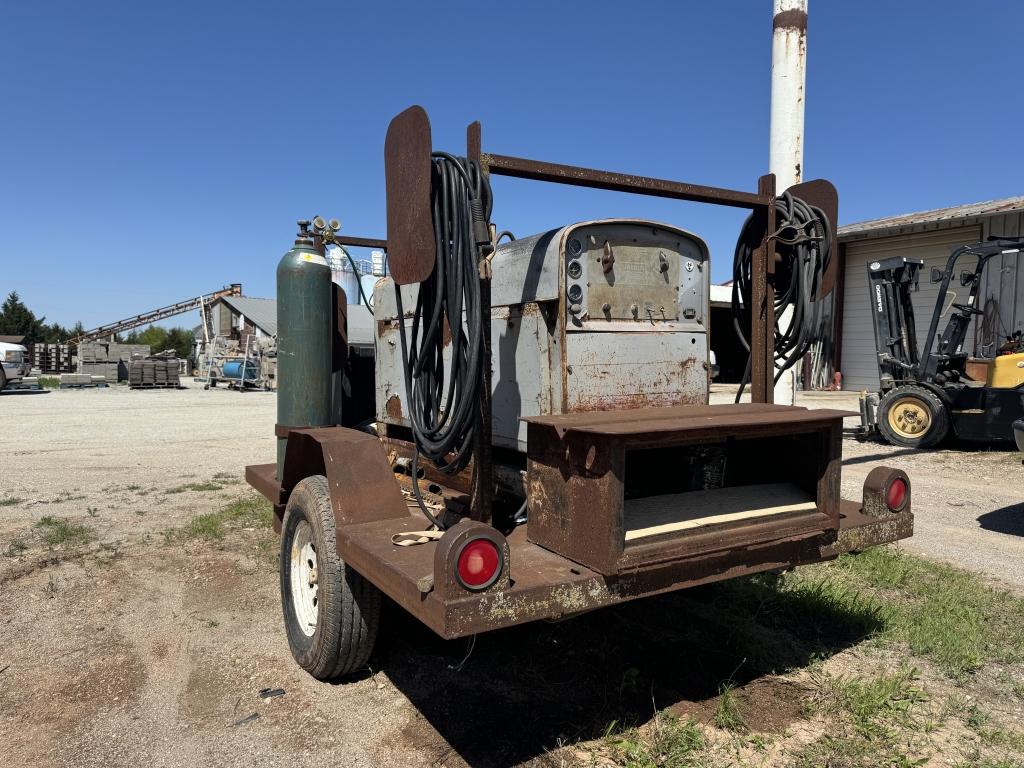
point(822, 194)
point(684, 418)
point(407, 183)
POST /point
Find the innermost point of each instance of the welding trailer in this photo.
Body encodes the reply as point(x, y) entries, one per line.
point(531, 436)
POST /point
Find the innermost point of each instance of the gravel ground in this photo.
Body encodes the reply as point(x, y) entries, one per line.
point(134, 649)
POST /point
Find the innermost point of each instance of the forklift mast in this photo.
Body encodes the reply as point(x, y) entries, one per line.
point(890, 283)
point(946, 360)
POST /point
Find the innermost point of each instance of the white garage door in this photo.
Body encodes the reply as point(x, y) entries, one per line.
point(859, 366)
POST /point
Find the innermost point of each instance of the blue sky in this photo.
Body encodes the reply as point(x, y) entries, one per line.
point(152, 152)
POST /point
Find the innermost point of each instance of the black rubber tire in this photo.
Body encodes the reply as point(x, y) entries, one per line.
point(3, 380)
point(348, 606)
point(937, 430)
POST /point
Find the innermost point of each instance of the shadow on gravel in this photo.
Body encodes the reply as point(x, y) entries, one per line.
point(529, 689)
point(24, 392)
point(1004, 520)
point(880, 456)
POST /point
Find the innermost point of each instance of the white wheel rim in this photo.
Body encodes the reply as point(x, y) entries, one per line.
point(304, 578)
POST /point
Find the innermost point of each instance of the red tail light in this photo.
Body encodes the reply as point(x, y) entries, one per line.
point(478, 564)
point(896, 494)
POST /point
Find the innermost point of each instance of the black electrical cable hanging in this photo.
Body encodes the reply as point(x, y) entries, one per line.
point(802, 239)
point(443, 404)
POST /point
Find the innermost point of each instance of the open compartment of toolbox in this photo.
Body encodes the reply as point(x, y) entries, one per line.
point(619, 490)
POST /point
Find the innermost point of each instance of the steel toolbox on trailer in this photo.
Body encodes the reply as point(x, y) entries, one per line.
point(599, 473)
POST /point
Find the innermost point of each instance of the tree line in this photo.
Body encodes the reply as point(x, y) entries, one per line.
point(16, 319)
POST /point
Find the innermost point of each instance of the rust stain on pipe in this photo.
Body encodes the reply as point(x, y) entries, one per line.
point(791, 20)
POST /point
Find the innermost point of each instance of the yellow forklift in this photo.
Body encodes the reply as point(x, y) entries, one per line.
point(924, 399)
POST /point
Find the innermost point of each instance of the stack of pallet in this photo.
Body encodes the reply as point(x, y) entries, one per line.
point(154, 372)
point(107, 359)
point(52, 358)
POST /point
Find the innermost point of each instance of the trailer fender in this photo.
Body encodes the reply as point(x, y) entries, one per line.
point(361, 482)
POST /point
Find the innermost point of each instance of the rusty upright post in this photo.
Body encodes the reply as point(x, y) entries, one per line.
point(483, 485)
point(762, 300)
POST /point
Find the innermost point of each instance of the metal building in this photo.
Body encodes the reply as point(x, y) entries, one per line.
point(931, 236)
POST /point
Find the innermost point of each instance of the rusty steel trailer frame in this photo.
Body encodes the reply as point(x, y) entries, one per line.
point(566, 565)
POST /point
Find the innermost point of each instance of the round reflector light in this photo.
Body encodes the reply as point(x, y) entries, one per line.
point(896, 494)
point(478, 564)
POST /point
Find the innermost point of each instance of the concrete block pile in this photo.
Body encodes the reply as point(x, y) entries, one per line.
point(154, 372)
point(108, 359)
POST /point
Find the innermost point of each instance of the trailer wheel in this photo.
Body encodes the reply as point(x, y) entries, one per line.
point(912, 417)
point(331, 613)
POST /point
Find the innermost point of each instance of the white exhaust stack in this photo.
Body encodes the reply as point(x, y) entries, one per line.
point(786, 144)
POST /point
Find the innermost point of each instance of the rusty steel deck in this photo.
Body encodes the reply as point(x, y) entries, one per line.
point(545, 585)
point(551, 578)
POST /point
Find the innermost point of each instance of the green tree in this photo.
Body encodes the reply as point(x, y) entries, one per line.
point(55, 333)
point(160, 339)
point(18, 320)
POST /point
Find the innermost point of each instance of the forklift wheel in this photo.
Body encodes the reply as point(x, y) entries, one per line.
point(331, 613)
point(913, 417)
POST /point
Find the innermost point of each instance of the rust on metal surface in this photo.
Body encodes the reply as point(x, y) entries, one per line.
point(447, 551)
point(483, 466)
point(791, 19)
point(407, 169)
point(521, 168)
point(577, 477)
point(359, 476)
point(875, 486)
point(360, 242)
point(822, 194)
point(263, 477)
point(544, 585)
point(686, 419)
point(393, 407)
point(762, 300)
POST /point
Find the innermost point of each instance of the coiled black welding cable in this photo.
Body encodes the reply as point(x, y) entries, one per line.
point(443, 404)
point(803, 237)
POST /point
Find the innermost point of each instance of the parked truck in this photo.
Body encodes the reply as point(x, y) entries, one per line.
point(14, 365)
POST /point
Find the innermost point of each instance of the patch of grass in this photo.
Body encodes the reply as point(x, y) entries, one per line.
point(198, 487)
point(667, 741)
point(976, 761)
point(244, 513)
point(92, 511)
point(10, 501)
point(873, 721)
point(873, 704)
point(49, 382)
point(54, 531)
point(945, 614)
point(209, 526)
point(133, 487)
point(727, 712)
point(64, 496)
point(15, 548)
point(991, 732)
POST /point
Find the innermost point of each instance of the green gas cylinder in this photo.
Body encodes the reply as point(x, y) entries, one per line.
point(304, 305)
